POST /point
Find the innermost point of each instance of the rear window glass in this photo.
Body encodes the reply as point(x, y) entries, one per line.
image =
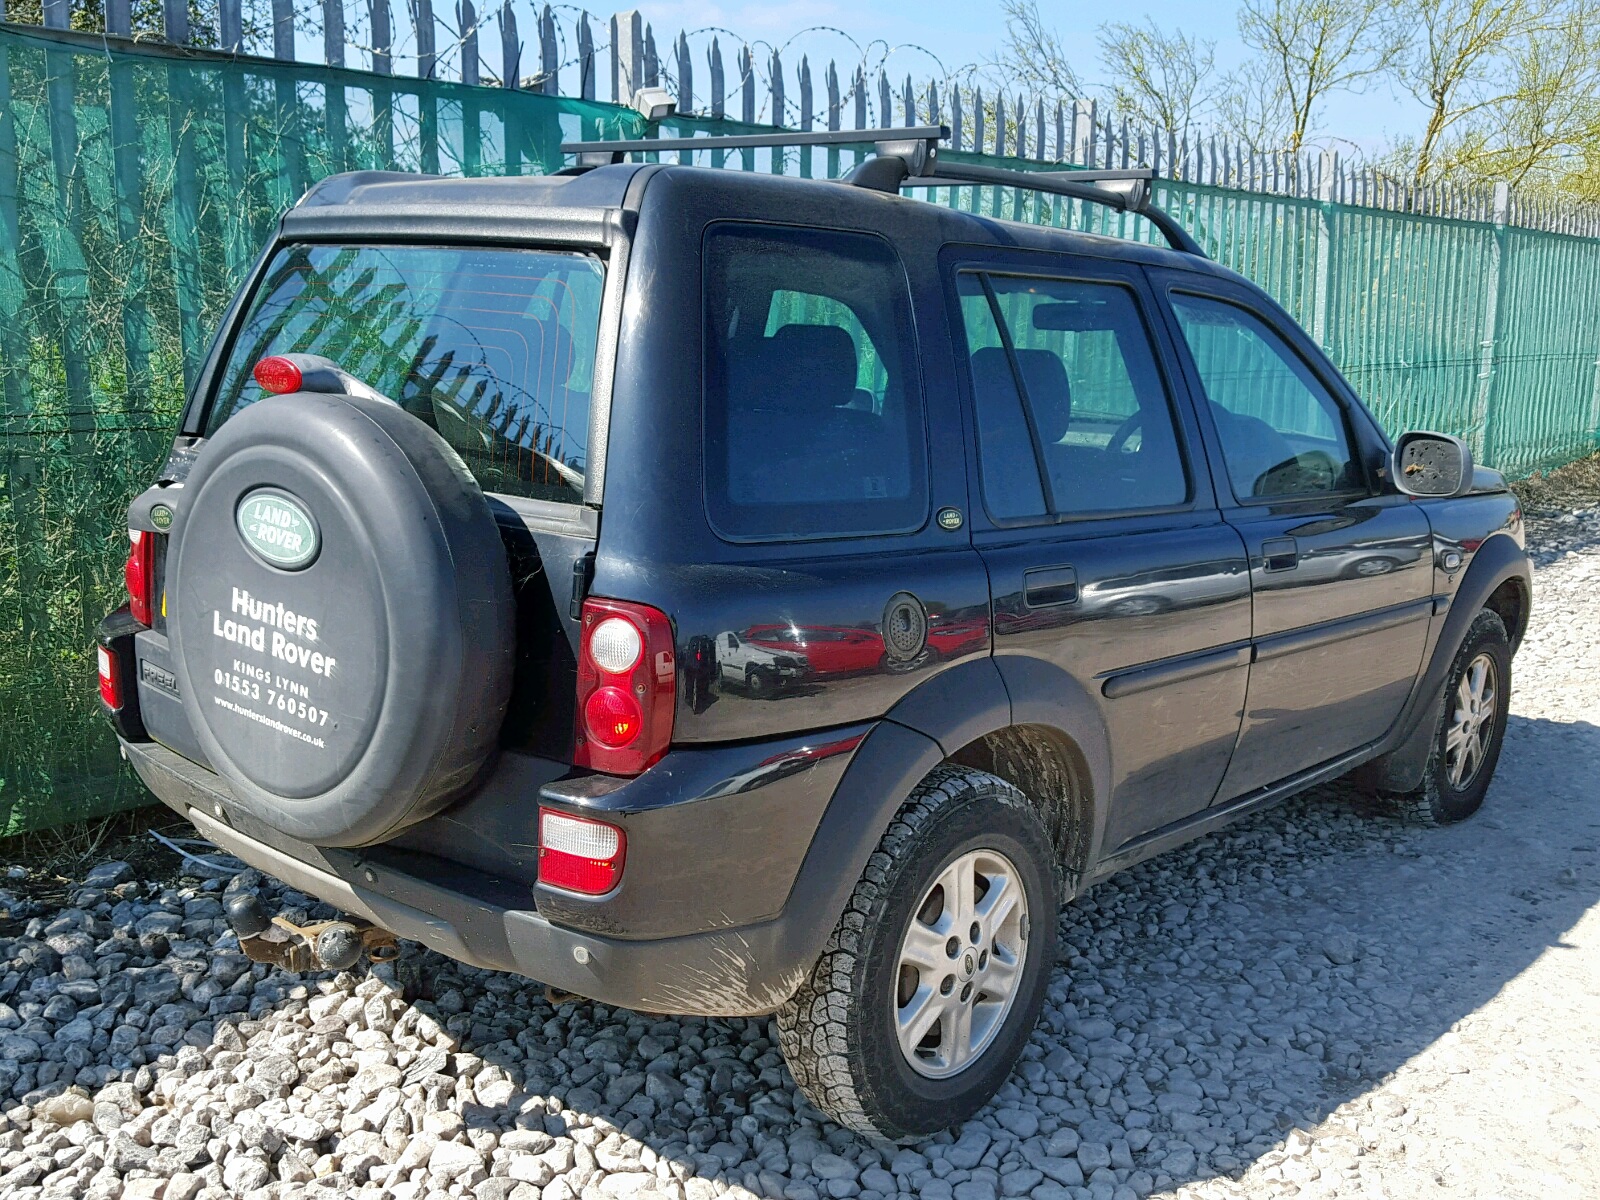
point(814, 423)
point(493, 348)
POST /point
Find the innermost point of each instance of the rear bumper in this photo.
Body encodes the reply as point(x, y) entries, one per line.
point(498, 923)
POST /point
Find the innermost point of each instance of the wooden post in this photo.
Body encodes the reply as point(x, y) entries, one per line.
point(332, 30)
point(467, 18)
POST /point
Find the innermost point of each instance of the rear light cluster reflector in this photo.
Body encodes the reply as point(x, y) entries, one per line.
point(139, 574)
point(627, 680)
point(279, 375)
point(110, 680)
point(578, 854)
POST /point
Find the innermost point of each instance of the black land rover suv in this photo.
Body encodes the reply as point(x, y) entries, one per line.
point(720, 593)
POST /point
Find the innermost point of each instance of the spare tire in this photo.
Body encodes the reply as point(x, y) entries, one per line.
point(340, 611)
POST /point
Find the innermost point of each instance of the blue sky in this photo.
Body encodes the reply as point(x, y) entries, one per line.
point(973, 31)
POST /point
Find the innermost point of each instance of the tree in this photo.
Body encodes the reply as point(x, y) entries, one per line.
point(1034, 55)
point(1311, 48)
point(1455, 66)
point(1159, 78)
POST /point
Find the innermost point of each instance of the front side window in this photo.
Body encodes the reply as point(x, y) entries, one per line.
point(1282, 432)
point(493, 348)
point(1067, 391)
point(814, 422)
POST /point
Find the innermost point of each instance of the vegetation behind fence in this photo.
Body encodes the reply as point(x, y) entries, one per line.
point(138, 182)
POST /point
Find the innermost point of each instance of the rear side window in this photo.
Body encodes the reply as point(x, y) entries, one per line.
point(1067, 391)
point(814, 423)
point(493, 348)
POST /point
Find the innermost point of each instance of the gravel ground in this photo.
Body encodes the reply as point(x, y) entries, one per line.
point(1314, 1002)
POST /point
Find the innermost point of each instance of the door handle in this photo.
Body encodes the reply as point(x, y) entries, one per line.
point(1280, 554)
point(1046, 586)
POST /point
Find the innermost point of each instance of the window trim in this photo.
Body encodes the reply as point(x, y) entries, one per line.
point(1203, 403)
point(1067, 274)
point(923, 458)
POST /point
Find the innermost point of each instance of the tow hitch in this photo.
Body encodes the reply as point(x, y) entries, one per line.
point(330, 945)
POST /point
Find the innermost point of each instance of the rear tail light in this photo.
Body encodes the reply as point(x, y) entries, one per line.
point(578, 854)
point(110, 680)
point(139, 574)
point(627, 679)
point(278, 374)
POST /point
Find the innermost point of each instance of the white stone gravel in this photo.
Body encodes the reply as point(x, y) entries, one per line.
point(1315, 1002)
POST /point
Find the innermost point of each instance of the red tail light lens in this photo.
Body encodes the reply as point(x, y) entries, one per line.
point(139, 574)
point(627, 680)
point(277, 374)
point(578, 854)
point(110, 680)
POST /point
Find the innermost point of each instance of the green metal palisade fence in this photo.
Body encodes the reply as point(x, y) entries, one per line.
point(138, 182)
point(137, 185)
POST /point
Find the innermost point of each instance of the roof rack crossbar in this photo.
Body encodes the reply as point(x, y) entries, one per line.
point(909, 157)
point(615, 150)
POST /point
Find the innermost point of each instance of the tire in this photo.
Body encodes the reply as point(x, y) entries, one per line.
point(838, 1031)
point(361, 687)
point(1452, 790)
point(759, 683)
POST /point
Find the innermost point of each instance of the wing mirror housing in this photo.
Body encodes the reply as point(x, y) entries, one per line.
point(1431, 465)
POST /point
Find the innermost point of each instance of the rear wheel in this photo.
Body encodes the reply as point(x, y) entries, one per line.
point(1472, 725)
point(931, 982)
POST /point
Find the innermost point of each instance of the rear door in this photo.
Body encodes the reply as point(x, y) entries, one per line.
point(1340, 573)
point(1107, 558)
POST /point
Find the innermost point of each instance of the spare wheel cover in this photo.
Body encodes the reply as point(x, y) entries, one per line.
point(340, 609)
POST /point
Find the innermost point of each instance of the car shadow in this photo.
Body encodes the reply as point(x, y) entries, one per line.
point(1225, 994)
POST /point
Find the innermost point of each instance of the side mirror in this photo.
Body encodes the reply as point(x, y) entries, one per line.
point(1431, 465)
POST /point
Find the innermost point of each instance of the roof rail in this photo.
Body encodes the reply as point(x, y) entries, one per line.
point(909, 158)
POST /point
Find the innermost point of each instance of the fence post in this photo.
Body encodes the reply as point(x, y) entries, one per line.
point(586, 67)
point(627, 55)
point(119, 19)
point(549, 54)
point(332, 31)
point(511, 49)
point(719, 94)
point(283, 30)
point(382, 42)
point(422, 26)
point(57, 14)
point(1082, 124)
point(1322, 283)
point(467, 19)
point(1479, 431)
point(175, 21)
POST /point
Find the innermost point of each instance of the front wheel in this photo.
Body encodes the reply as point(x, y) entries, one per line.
point(1471, 729)
point(932, 980)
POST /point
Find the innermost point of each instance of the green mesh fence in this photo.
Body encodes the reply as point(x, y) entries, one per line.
point(135, 189)
point(136, 185)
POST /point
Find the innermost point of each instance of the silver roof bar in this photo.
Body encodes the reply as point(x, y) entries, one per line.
point(909, 158)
